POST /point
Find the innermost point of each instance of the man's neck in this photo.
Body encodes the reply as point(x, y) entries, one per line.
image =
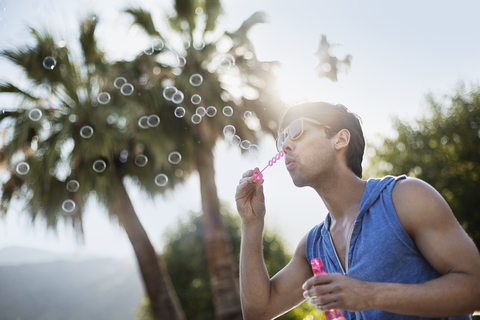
point(342, 196)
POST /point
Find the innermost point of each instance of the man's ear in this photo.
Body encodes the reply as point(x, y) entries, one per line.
point(342, 139)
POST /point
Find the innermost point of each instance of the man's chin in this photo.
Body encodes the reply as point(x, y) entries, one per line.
point(298, 181)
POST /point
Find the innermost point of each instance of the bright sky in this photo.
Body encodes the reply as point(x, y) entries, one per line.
point(401, 51)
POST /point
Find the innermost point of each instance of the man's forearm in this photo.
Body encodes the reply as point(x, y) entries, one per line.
point(254, 278)
point(454, 294)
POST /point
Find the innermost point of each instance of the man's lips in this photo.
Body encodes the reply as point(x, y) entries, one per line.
point(289, 163)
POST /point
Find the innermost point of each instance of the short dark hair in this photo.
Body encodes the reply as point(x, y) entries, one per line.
point(337, 117)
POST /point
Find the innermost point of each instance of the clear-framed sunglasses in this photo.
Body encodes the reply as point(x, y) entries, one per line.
point(295, 130)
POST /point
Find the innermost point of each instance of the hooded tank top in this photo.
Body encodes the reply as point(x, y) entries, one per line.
point(380, 249)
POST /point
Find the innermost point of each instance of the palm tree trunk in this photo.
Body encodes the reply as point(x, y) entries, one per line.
point(164, 302)
point(218, 247)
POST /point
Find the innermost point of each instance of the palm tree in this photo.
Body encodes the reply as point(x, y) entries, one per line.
point(78, 98)
point(73, 135)
point(252, 92)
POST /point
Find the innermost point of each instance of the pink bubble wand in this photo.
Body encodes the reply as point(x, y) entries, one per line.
point(318, 268)
point(258, 175)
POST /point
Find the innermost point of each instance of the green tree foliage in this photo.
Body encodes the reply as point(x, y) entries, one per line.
point(442, 148)
point(187, 266)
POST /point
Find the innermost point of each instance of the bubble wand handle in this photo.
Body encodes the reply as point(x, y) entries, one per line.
point(318, 268)
point(257, 174)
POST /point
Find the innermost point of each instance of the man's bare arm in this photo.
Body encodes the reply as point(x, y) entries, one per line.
point(429, 221)
point(262, 297)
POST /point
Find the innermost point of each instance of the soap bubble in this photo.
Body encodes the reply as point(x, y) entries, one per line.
point(143, 79)
point(247, 114)
point(196, 99)
point(123, 156)
point(35, 114)
point(86, 132)
point(149, 50)
point(168, 92)
point(179, 112)
point(200, 111)
point(104, 98)
point(161, 180)
point(181, 61)
point(99, 166)
point(178, 97)
point(49, 63)
point(211, 111)
point(174, 157)
point(22, 168)
point(198, 45)
point(245, 144)
point(68, 206)
point(73, 118)
point(153, 120)
point(196, 79)
point(127, 89)
point(158, 44)
point(227, 61)
point(229, 130)
point(143, 122)
point(73, 185)
point(141, 160)
point(326, 67)
point(119, 82)
point(196, 118)
point(235, 140)
point(254, 150)
point(227, 111)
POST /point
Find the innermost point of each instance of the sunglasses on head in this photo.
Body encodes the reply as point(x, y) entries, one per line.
point(295, 131)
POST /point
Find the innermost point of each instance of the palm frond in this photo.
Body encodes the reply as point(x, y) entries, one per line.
point(88, 41)
point(144, 19)
point(9, 188)
point(10, 88)
point(213, 9)
point(241, 33)
point(9, 113)
point(186, 11)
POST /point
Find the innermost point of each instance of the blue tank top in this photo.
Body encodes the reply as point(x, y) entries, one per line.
point(380, 249)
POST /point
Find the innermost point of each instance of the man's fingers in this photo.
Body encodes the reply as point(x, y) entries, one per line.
point(316, 280)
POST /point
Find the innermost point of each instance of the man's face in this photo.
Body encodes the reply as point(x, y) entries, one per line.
point(309, 154)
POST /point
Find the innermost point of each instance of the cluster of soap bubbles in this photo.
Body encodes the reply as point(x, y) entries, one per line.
point(200, 112)
point(125, 88)
point(235, 140)
point(161, 179)
point(156, 45)
point(149, 121)
point(69, 205)
point(170, 93)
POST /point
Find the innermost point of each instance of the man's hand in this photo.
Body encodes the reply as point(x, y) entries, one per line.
point(250, 198)
point(336, 291)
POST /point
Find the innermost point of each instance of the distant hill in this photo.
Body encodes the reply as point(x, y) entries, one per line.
point(20, 255)
point(100, 289)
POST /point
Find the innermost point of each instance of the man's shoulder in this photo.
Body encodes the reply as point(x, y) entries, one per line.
point(412, 189)
point(416, 202)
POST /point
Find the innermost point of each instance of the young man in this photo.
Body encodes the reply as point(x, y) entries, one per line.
point(392, 247)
